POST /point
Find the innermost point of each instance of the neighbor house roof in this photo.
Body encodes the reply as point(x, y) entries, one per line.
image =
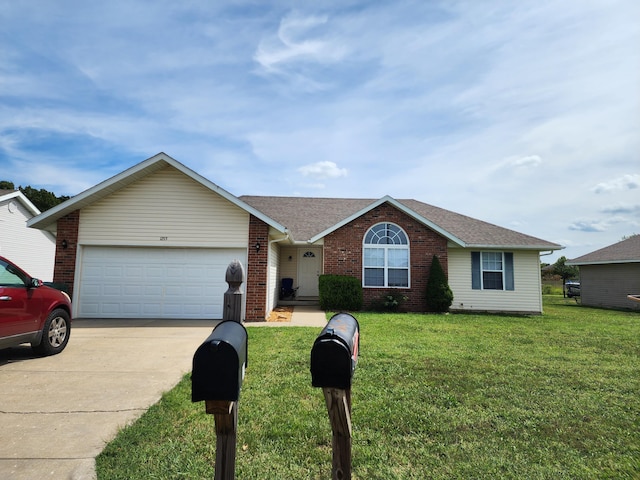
point(626, 251)
point(6, 195)
point(309, 219)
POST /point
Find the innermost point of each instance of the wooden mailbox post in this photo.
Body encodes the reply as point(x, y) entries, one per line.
point(333, 360)
point(218, 371)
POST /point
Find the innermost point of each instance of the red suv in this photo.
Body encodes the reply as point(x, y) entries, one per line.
point(31, 312)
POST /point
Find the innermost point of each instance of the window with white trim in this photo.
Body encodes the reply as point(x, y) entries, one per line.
point(385, 257)
point(492, 271)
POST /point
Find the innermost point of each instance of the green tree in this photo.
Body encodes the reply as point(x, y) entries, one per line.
point(565, 272)
point(42, 199)
point(439, 295)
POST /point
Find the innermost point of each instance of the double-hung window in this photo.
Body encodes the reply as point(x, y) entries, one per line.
point(386, 256)
point(492, 271)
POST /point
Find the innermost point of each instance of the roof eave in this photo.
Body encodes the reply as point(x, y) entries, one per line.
point(538, 248)
point(105, 188)
point(600, 262)
point(23, 199)
point(399, 206)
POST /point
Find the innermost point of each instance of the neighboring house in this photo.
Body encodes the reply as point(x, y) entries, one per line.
point(609, 275)
point(33, 250)
point(156, 239)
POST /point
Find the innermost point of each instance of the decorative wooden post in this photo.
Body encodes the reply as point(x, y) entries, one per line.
point(232, 309)
point(218, 372)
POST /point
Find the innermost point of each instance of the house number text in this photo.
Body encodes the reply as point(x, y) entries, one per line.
point(164, 239)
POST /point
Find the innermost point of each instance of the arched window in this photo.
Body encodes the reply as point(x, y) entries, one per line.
point(386, 256)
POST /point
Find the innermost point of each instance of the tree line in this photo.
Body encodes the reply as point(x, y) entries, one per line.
point(42, 199)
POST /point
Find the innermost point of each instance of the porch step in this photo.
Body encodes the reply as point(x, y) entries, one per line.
point(300, 301)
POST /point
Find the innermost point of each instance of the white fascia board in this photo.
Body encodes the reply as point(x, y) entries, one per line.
point(399, 206)
point(23, 199)
point(97, 192)
point(603, 262)
point(539, 248)
point(45, 220)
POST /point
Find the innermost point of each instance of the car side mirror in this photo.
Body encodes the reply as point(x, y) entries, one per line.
point(35, 283)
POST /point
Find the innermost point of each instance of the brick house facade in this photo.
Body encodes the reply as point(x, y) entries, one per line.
point(66, 250)
point(257, 268)
point(343, 253)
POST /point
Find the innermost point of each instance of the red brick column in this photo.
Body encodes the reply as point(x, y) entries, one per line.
point(257, 270)
point(65, 261)
point(343, 254)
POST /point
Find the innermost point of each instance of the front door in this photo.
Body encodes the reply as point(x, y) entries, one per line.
point(309, 265)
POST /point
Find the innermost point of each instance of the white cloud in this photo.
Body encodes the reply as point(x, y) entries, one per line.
point(622, 209)
point(604, 224)
point(297, 40)
point(588, 226)
point(528, 161)
point(626, 182)
point(321, 170)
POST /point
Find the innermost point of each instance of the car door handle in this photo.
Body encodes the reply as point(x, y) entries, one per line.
point(5, 298)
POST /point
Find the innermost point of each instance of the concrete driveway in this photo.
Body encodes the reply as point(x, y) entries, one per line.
point(57, 413)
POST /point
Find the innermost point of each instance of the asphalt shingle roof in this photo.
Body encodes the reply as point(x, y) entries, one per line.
point(306, 217)
point(626, 251)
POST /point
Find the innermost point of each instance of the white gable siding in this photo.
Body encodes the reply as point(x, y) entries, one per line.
point(32, 250)
point(165, 209)
point(526, 298)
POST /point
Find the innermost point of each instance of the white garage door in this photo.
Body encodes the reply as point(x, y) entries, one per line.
point(154, 282)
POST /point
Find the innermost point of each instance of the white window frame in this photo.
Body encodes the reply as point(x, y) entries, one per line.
point(489, 270)
point(399, 242)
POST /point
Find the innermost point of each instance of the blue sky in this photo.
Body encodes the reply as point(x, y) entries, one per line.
point(525, 114)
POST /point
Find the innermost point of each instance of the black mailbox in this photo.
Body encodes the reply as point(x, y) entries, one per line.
point(219, 364)
point(335, 353)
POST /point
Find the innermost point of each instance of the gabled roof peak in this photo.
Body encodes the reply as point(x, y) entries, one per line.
point(47, 219)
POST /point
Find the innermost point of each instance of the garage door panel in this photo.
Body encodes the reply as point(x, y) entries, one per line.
point(153, 282)
point(131, 310)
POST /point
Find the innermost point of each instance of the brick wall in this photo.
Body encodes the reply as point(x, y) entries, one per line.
point(65, 260)
point(257, 271)
point(343, 253)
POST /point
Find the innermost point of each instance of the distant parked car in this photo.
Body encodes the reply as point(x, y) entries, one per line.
point(572, 288)
point(31, 312)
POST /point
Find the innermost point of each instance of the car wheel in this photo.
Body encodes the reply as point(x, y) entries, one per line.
point(55, 333)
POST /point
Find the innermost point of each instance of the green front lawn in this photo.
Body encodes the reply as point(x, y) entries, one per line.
point(434, 396)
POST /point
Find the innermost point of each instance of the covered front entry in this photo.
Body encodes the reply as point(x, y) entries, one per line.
point(147, 282)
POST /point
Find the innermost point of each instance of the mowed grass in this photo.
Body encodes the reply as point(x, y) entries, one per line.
point(434, 396)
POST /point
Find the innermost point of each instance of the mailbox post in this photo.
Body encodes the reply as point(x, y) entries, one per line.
point(333, 360)
point(218, 371)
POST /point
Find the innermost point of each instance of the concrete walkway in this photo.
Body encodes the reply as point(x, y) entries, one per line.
point(57, 413)
point(303, 316)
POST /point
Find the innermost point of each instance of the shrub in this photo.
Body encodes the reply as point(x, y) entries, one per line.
point(439, 295)
point(389, 302)
point(340, 292)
